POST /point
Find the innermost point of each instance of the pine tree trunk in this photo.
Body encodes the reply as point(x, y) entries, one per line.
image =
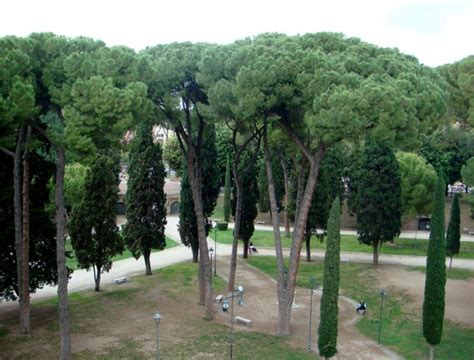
point(246, 249)
point(283, 326)
point(286, 198)
point(375, 253)
point(25, 249)
point(308, 248)
point(237, 220)
point(146, 257)
point(202, 290)
point(299, 192)
point(17, 199)
point(65, 352)
point(195, 178)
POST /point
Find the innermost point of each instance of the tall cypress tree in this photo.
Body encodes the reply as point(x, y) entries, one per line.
point(146, 210)
point(94, 233)
point(379, 196)
point(249, 205)
point(433, 304)
point(453, 236)
point(227, 191)
point(327, 341)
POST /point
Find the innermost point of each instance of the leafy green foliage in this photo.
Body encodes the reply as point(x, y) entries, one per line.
point(100, 113)
point(378, 195)
point(418, 181)
point(327, 340)
point(453, 235)
point(173, 155)
point(467, 172)
point(434, 302)
point(42, 254)
point(250, 197)
point(145, 199)
point(17, 91)
point(74, 180)
point(460, 79)
point(94, 234)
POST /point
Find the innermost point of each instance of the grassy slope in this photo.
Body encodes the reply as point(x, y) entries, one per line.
point(401, 324)
point(349, 243)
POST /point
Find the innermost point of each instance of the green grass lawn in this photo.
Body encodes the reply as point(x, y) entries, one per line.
point(455, 274)
point(349, 243)
point(72, 262)
point(402, 328)
point(124, 313)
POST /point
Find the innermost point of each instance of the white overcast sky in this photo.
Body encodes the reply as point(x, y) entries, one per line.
point(435, 31)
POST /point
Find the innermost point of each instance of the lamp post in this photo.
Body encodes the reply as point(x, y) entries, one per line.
point(313, 286)
point(211, 252)
point(157, 319)
point(215, 247)
point(382, 294)
point(238, 293)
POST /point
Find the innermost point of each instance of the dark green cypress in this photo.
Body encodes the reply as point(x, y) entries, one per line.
point(433, 304)
point(327, 341)
point(227, 192)
point(378, 197)
point(146, 199)
point(453, 236)
point(94, 233)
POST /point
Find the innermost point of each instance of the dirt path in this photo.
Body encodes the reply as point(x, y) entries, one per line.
point(260, 305)
point(459, 293)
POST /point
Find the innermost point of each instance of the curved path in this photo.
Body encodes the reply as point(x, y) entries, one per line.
point(260, 292)
point(83, 279)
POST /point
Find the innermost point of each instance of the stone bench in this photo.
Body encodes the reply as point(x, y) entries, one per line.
point(240, 319)
point(219, 298)
point(121, 280)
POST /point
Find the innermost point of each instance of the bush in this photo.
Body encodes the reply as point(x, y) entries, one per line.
point(222, 226)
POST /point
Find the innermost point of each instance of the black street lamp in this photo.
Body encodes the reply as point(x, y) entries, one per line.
point(313, 286)
point(211, 252)
point(215, 247)
point(238, 293)
point(382, 294)
point(157, 319)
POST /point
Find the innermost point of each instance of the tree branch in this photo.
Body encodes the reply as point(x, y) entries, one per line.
point(8, 152)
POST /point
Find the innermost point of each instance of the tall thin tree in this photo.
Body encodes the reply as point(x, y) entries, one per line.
point(434, 299)
point(453, 236)
point(327, 341)
point(145, 200)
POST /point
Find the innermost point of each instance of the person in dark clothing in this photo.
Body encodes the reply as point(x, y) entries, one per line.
point(361, 308)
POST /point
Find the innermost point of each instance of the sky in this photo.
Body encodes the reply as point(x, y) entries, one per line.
point(435, 31)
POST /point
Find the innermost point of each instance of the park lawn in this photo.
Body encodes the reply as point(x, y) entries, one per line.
point(71, 261)
point(349, 243)
point(122, 317)
point(402, 326)
point(455, 274)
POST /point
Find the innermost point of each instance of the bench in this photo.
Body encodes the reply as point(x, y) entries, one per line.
point(261, 222)
point(219, 298)
point(240, 319)
point(121, 280)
